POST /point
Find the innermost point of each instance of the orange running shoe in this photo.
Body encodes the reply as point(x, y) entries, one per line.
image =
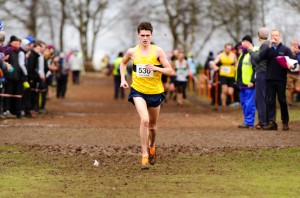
point(152, 155)
point(145, 163)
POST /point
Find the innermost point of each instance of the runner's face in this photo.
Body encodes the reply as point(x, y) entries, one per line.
point(145, 37)
point(181, 56)
point(228, 49)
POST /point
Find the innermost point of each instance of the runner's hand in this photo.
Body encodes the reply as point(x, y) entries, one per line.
point(250, 85)
point(150, 67)
point(124, 84)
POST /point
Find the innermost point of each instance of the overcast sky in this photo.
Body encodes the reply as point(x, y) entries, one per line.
point(120, 37)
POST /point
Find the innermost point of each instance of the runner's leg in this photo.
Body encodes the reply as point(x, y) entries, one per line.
point(224, 94)
point(230, 93)
point(142, 110)
point(153, 115)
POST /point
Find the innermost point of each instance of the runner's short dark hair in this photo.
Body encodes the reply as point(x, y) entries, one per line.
point(228, 44)
point(38, 43)
point(145, 26)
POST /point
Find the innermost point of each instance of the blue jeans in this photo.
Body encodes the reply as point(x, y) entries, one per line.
point(247, 98)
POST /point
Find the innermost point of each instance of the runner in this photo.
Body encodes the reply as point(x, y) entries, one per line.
point(182, 71)
point(146, 93)
point(227, 61)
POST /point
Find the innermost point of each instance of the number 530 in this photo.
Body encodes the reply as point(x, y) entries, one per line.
point(144, 71)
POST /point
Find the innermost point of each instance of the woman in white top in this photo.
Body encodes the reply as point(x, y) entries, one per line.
point(182, 72)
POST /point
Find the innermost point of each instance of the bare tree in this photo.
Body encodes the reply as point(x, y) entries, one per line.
point(48, 12)
point(25, 12)
point(85, 15)
point(294, 4)
point(188, 22)
point(63, 19)
point(237, 16)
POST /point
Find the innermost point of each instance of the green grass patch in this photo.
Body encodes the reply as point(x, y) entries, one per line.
point(263, 173)
point(294, 114)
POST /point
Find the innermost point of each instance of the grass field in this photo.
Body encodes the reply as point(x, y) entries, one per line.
point(261, 173)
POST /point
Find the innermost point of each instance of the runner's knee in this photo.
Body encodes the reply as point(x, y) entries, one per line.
point(145, 122)
point(152, 126)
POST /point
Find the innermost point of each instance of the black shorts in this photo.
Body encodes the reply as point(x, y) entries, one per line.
point(152, 100)
point(229, 81)
point(172, 79)
point(180, 83)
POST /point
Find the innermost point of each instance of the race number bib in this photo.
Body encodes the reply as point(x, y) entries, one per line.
point(181, 72)
point(225, 69)
point(142, 71)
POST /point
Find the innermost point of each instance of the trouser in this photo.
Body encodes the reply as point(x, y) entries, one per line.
point(260, 97)
point(236, 95)
point(43, 95)
point(298, 97)
point(117, 82)
point(34, 96)
point(27, 100)
point(13, 98)
point(76, 75)
point(1, 98)
point(279, 88)
point(248, 105)
point(61, 88)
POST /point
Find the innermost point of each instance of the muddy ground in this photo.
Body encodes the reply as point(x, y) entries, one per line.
point(90, 122)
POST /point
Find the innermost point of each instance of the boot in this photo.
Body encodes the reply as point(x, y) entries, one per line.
point(272, 126)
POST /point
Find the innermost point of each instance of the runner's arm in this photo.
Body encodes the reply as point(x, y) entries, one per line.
point(215, 62)
point(167, 68)
point(123, 66)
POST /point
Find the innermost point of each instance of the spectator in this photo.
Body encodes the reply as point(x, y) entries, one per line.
point(276, 77)
point(76, 64)
point(293, 81)
point(245, 82)
point(117, 77)
point(260, 80)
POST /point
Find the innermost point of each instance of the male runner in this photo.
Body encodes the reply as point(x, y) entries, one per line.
point(146, 93)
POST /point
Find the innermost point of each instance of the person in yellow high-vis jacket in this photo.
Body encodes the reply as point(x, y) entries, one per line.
point(245, 78)
point(117, 77)
point(146, 93)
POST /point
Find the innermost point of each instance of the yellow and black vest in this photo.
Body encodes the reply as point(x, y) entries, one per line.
point(227, 68)
point(146, 85)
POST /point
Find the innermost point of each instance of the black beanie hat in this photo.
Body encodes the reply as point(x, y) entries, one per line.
point(247, 38)
point(13, 38)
